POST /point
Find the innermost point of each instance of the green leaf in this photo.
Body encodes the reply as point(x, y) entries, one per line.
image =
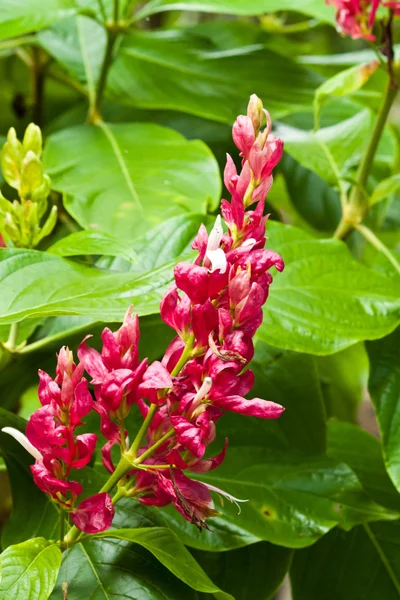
point(384, 386)
point(363, 563)
point(92, 242)
point(24, 16)
point(68, 288)
point(78, 44)
point(290, 379)
point(111, 570)
point(170, 551)
point(292, 500)
point(385, 188)
point(316, 201)
point(166, 242)
point(313, 8)
point(362, 452)
point(212, 84)
point(250, 573)
point(332, 152)
point(29, 570)
point(30, 506)
point(344, 83)
point(324, 300)
point(344, 381)
point(144, 174)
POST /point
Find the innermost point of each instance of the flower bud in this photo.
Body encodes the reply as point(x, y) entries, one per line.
point(11, 158)
point(33, 140)
point(32, 177)
point(255, 112)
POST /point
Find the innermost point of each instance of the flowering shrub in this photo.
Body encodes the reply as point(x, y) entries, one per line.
point(206, 429)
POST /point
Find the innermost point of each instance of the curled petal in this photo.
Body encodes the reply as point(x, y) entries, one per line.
point(95, 514)
point(92, 361)
point(188, 435)
point(253, 408)
point(192, 280)
point(155, 380)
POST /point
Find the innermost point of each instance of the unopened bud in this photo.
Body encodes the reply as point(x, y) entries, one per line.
point(33, 140)
point(255, 112)
point(11, 157)
point(32, 176)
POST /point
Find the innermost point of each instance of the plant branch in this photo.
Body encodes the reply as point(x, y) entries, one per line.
point(357, 207)
point(380, 246)
point(38, 70)
point(113, 30)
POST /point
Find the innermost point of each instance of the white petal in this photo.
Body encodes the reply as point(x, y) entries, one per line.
point(215, 236)
point(203, 391)
point(217, 259)
point(23, 440)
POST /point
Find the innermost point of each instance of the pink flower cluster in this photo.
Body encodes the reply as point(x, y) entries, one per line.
point(356, 18)
point(65, 401)
point(215, 306)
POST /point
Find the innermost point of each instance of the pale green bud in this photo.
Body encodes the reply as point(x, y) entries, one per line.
point(32, 174)
point(11, 157)
point(255, 112)
point(33, 140)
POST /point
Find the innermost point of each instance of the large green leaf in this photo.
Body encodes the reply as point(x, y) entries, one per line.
point(292, 500)
point(251, 573)
point(29, 570)
point(316, 201)
point(23, 16)
point(313, 8)
point(170, 551)
point(363, 453)
point(344, 380)
point(363, 564)
point(208, 83)
point(290, 379)
point(115, 570)
point(37, 283)
point(144, 174)
point(384, 386)
point(332, 152)
point(30, 506)
point(78, 44)
point(324, 300)
point(92, 242)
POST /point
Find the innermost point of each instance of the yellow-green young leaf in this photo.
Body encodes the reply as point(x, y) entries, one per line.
point(29, 570)
point(344, 83)
point(385, 188)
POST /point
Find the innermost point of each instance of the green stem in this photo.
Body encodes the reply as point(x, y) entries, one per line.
point(62, 524)
point(11, 343)
point(380, 246)
point(186, 354)
point(38, 78)
point(357, 207)
point(94, 115)
point(154, 447)
point(142, 431)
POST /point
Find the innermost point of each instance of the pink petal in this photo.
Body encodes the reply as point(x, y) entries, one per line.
point(95, 514)
point(253, 408)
